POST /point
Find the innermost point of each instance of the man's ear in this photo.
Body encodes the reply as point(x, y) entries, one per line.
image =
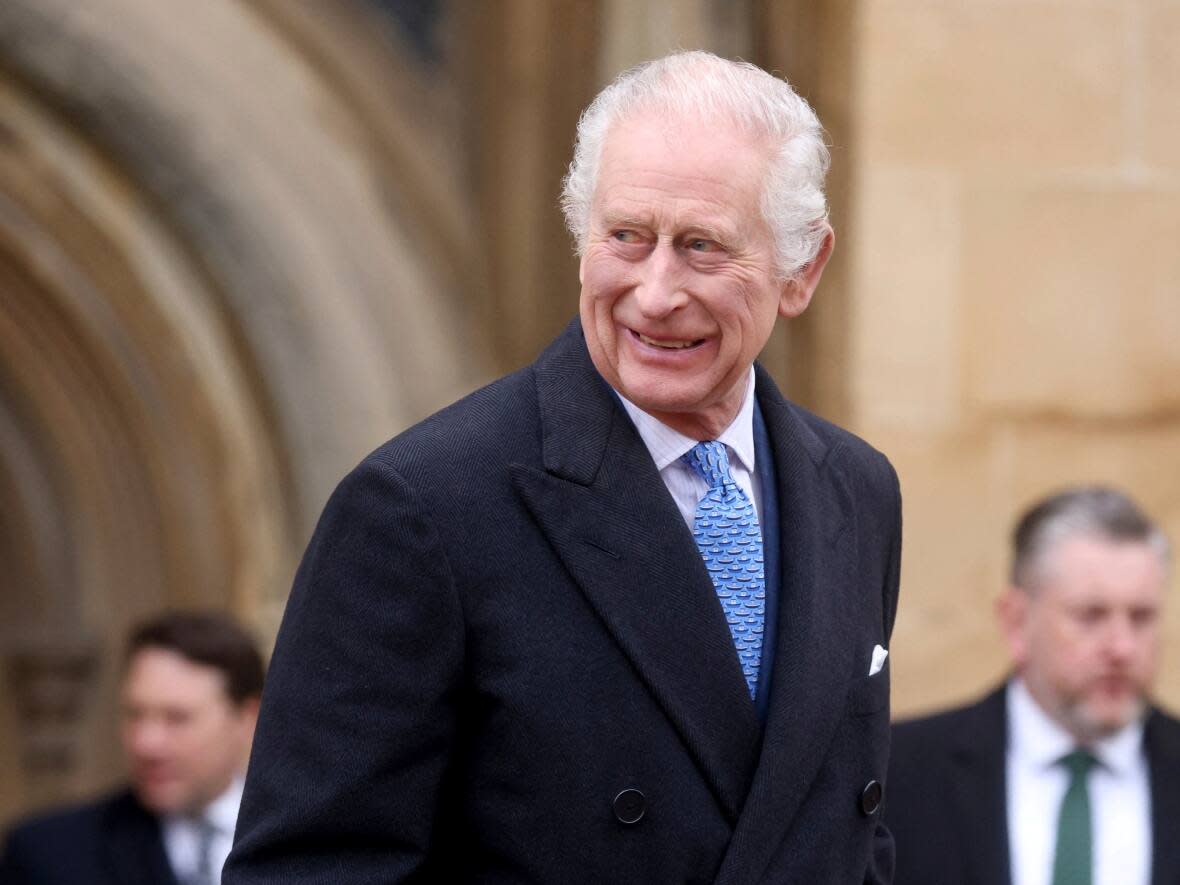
point(246, 719)
point(797, 291)
point(247, 712)
point(1012, 611)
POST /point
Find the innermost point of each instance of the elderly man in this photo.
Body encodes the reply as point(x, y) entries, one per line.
point(189, 703)
point(622, 615)
point(1065, 774)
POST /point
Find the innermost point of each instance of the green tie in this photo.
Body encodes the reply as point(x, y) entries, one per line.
point(1072, 862)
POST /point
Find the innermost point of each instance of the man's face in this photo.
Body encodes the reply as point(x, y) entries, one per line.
point(1086, 639)
point(678, 287)
point(183, 737)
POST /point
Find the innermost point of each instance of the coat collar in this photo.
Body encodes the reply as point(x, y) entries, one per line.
point(133, 844)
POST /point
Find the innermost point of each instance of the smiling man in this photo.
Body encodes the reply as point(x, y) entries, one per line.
point(622, 615)
point(680, 281)
point(190, 694)
point(1066, 775)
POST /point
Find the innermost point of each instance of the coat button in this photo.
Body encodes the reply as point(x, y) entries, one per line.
point(870, 797)
point(629, 806)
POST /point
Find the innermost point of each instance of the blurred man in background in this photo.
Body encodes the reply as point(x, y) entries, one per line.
point(189, 702)
point(1066, 774)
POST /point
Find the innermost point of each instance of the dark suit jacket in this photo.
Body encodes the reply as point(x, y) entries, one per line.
point(947, 796)
point(502, 622)
point(114, 841)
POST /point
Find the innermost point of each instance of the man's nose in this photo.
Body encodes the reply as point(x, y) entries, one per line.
point(1121, 639)
point(661, 282)
point(146, 738)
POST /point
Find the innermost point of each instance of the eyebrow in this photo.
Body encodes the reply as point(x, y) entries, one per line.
point(690, 231)
point(610, 221)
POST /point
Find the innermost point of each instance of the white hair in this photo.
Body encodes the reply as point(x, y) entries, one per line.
point(704, 87)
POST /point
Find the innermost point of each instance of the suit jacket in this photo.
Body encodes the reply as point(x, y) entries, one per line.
point(114, 841)
point(502, 623)
point(947, 803)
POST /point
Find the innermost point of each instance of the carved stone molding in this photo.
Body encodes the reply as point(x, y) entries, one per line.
point(50, 680)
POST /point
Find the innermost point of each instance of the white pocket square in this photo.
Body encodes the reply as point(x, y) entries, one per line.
point(879, 656)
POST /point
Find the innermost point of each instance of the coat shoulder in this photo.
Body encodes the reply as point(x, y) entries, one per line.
point(919, 739)
point(825, 443)
point(1163, 734)
point(921, 733)
point(61, 822)
point(486, 426)
point(34, 843)
point(1165, 720)
point(501, 423)
point(840, 443)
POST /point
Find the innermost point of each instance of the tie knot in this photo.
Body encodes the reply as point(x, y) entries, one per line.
point(1078, 762)
point(710, 460)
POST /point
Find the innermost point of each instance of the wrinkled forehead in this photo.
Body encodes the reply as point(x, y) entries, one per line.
point(689, 148)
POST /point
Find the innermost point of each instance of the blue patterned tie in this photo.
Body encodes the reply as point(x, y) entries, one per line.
point(727, 534)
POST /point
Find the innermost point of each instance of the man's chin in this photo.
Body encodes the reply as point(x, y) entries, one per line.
point(160, 800)
point(1101, 719)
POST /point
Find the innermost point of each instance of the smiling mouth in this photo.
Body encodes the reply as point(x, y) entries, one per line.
point(668, 344)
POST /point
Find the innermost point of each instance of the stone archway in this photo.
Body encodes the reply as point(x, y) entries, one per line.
point(229, 266)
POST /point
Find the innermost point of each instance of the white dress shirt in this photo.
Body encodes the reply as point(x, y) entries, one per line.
point(1119, 788)
point(667, 446)
point(182, 834)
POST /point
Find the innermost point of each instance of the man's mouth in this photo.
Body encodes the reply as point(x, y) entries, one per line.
point(1115, 684)
point(668, 343)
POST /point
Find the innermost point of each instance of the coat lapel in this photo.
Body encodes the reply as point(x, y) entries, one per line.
point(980, 791)
point(603, 506)
point(814, 646)
point(134, 845)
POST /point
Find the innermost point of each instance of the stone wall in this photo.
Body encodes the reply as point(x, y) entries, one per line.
point(1015, 303)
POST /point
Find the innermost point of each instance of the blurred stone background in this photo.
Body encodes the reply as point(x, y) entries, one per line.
point(242, 242)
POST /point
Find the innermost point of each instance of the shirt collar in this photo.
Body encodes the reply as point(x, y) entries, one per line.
point(667, 445)
point(222, 812)
point(1041, 742)
point(1122, 750)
